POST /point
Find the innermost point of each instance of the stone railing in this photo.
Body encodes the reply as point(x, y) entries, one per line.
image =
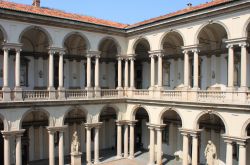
point(211, 96)
point(248, 97)
point(75, 94)
point(109, 93)
point(141, 92)
point(171, 95)
point(35, 95)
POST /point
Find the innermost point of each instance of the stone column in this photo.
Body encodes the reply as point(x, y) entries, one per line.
point(17, 69)
point(51, 70)
point(152, 57)
point(229, 152)
point(132, 73)
point(126, 74)
point(119, 140)
point(6, 138)
point(18, 89)
point(243, 81)
point(119, 73)
point(97, 75)
point(152, 146)
point(61, 148)
point(242, 153)
point(160, 55)
point(61, 85)
point(88, 71)
point(186, 68)
point(6, 68)
point(194, 149)
point(159, 145)
point(132, 140)
point(51, 148)
point(96, 159)
point(88, 146)
point(18, 149)
point(230, 66)
point(196, 69)
point(41, 145)
point(125, 140)
point(185, 148)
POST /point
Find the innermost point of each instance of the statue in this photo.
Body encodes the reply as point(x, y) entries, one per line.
point(210, 153)
point(75, 145)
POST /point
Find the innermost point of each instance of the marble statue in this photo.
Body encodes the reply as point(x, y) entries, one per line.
point(75, 145)
point(210, 153)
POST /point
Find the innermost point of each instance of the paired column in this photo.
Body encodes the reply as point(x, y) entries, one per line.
point(194, 149)
point(61, 148)
point(6, 68)
point(126, 74)
point(119, 140)
point(6, 138)
point(186, 68)
point(152, 146)
point(61, 84)
point(159, 146)
point(132, 140)
point(243, 81)
point(51, 148)
point(229, 152)
point(160, 55)
point(242, 153)
point(152, 57)
point(230, 66)
point(96, 156)
point(196, 69)
point(51, 70)
point(132, 72)
point(126, 141)
point(185, 148)
point(18, 136)
point(119, 59)
point(88, 71)
point(88, 145)
point(97, 86)
point(17, 68)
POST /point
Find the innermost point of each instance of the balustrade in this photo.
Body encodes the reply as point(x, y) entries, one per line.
point(211, 96)
point(75, 94)
point(171, 95)
point(109, 93)
point(141, 92)
point(35, 94)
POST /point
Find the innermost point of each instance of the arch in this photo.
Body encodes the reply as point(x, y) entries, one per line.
point(138, 40)
point(38, 28)
point(5, 36)
point(160, 118)
point(244, 30)
point(118, 46)
point(77, 33)
point(50, 120)
point(244, 128)
point(135, 109)
point(168, 32)
point(72, 109)
point(196, 39)
point(5, 123)
point(108, 106)
point(196, 121)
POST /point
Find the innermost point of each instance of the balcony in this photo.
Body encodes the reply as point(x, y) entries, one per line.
point(201, 96)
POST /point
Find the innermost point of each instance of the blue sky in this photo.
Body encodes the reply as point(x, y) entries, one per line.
point(124, 11)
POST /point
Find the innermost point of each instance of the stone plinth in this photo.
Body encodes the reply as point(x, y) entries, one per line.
point(76, 158)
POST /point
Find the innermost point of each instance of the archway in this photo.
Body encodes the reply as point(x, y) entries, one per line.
point(74, 119)
point(247, 143)
point(142, 65)
point(76, 46)
point(35, 43)
point(172, 44)
point(212, 127)
point(1, 142)
point(213, 55)
point(35, 137)
point(109, 49)
point(171, 136)
point(141, 133)
point(108, 132)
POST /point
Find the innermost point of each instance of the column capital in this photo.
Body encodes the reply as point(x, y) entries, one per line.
point(54, 50)
point(188, 132)
point(14, 46)
point(238, 140)
point(57, 128)
point(191, 48)
point(156, 126)
point(236, 41)
point(92, 125)
point(244, 44)
point(156, 53)
point(132, 122)
point(92, 53)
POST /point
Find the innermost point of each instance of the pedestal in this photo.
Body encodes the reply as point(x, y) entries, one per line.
point(18, 94)
point(76, 158)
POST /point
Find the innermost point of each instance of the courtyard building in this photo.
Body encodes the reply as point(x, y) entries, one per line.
point(164, 87)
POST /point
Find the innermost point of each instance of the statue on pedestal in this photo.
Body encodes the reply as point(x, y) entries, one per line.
point(210, 153)
point(75, 145)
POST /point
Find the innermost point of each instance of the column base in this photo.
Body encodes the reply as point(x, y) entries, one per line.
point(243, 89)
point(76, 159)
point(131, 157)
point(118, 157)
point(97, 92)
point(96, 161)
point(52, 93)
point(90, 92)
point(18, 94)
point(61, 93)
point(6, 94)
